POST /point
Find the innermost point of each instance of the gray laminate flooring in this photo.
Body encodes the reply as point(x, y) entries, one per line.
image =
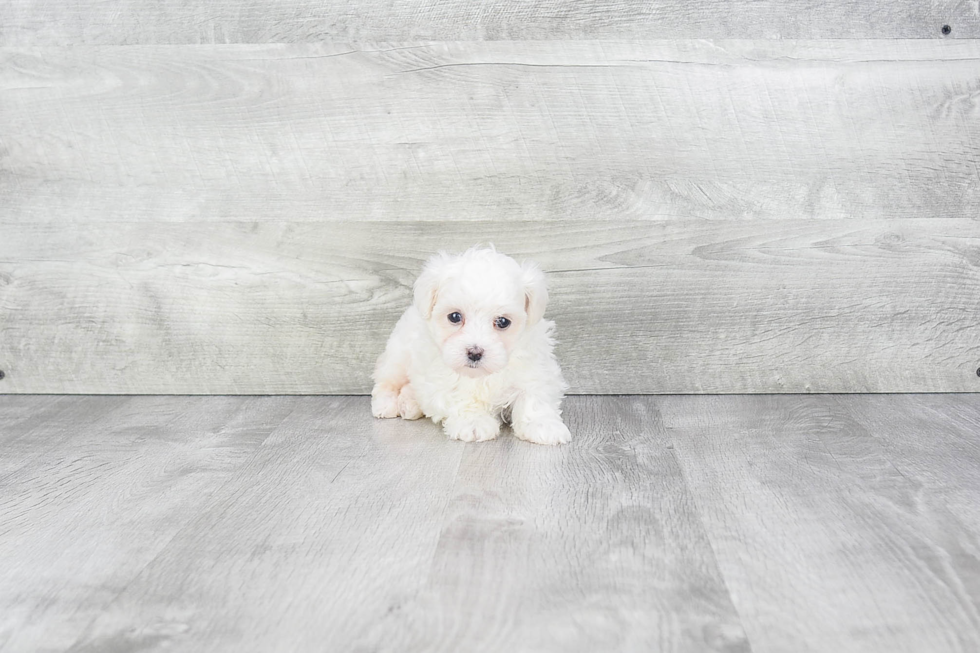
point(681, 523)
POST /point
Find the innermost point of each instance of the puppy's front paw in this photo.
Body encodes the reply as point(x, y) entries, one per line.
point(472, 428)
point(550, 431)
point(384, 404)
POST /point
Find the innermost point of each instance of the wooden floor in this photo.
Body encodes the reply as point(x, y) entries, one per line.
point(683, 523)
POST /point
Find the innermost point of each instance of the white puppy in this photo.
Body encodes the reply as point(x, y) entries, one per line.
point(474, 348)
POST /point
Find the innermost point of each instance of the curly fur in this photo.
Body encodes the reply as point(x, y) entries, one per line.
point(427, 368)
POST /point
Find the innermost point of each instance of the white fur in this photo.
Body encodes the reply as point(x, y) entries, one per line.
point(425, 369)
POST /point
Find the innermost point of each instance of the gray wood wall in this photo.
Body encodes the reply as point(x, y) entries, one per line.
point(737, 197)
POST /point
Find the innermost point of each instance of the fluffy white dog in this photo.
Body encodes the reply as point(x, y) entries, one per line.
point(475, 349)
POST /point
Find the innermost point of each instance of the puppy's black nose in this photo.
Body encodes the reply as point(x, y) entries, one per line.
point(474, 354)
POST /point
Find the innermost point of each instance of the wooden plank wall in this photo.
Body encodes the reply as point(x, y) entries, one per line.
point(749, 197)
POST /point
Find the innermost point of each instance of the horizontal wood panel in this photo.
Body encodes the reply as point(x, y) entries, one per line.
point(650, 307)
point(115, 22)
point(559, 130)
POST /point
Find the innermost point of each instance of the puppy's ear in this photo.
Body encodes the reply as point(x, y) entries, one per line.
point(535, 292)
point(426, 287)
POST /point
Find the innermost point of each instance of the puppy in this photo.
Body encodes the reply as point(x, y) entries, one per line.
point(475, 349)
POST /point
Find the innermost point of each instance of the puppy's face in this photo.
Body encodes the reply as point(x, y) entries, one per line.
point(476, 306)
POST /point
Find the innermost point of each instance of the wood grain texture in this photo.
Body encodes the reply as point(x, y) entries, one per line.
point(952, 493)
point(327, 528)
point(103, 495)
point(48, 425)
point(652, 307)
point(115, 22)
point(20, 414)
point(591, 547)
point(764, 523)
point(825, 510)
point(561, 130)
point(340, 532)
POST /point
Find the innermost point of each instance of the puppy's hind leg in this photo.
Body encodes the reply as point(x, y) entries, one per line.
point(390, 376)
point(408, 405)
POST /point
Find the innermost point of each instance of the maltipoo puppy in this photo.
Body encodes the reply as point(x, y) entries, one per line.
point(475, 349)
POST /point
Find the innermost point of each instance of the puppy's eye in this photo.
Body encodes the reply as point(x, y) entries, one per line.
point(501, 323)
point(455, 317)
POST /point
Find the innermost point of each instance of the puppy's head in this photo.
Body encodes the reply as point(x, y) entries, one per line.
point(477, 304)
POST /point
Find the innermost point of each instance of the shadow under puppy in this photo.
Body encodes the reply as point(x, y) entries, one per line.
point(473, 349)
